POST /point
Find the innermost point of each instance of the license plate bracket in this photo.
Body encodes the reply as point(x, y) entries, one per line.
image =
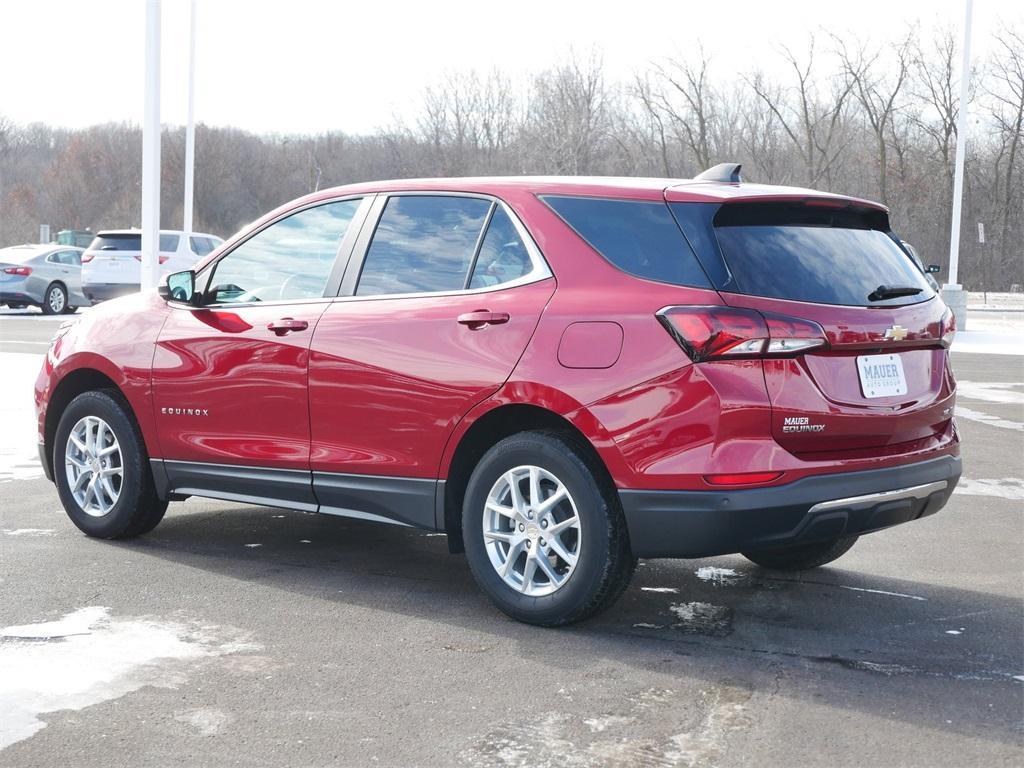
point(881, 375)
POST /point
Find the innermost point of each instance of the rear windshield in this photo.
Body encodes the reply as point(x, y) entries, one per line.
point(638, 237)
point(815, 254)
point(130, 242)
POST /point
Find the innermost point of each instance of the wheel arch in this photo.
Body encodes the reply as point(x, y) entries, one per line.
point(487, 429)
point(70, 386)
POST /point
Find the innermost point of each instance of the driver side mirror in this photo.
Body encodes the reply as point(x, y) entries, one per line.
point(178, 286)
point(932, 269)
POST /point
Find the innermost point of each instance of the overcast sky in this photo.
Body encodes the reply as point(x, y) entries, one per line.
point(316, 65)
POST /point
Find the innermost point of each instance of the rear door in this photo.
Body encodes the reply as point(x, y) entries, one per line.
point(229, 375)
point(431, 322)
point(881, 384)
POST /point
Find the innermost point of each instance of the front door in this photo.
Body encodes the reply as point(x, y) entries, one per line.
point(229, 375)
point(448, 296)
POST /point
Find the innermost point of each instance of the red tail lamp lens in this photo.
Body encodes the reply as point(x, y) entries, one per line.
point(709, 332)
point(743, 478)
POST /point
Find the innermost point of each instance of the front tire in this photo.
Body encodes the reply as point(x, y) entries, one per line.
point(544, 532)
point(102, 470)
point(55, 301)
point(802, 557)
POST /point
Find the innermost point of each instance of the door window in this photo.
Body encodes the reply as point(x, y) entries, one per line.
point(502, 257)
point(289, 260)
point(423, 243)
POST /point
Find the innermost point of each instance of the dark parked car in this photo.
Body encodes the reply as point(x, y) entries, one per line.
point(561, 374)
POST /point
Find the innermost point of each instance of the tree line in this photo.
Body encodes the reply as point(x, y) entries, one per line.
point(844, 115)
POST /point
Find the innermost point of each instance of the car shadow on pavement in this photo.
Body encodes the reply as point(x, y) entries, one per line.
point(829, 635)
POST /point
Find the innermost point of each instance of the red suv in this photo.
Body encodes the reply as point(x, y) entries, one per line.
point(561, 374)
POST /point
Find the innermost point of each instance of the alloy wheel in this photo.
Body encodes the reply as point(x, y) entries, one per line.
point(94, 466)
point(532, 530)
point(56, 300)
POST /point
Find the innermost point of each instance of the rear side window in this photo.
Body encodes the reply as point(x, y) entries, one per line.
point(638, 237)
point(815, 254)
point(201, 245)
point(423, 243)
point(169, 243)
point(502, 257)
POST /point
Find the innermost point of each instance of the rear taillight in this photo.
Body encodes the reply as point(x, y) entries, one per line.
point(947, 328)
point(709, 333)
point(163, 259)
point(23, 271)
point(87, 257)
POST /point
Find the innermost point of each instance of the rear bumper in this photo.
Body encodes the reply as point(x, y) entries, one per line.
point(97, 292)
point(9, 294)
point(819, 508)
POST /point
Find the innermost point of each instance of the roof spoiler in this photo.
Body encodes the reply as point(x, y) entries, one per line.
point(726, 173)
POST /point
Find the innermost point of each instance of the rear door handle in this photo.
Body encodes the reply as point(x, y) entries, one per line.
point(481, 317)
point(286, 325)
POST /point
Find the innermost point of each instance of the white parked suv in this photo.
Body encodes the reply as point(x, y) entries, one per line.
point(112, 264)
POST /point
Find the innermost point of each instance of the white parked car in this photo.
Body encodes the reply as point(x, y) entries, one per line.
point(112, 264)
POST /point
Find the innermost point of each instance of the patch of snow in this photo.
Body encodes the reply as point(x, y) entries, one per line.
point(305, 541)
point(668, 590)
point(19, 456)
point(718, 576)
point(953, 632)
point(702, 618)
point(645, 625)
point(989, 342)
point(599, 724)
point(86, 658)
point(993, 421)
point(29, 532)
point(1011, 488)
point(883, 592)
point(253, 546)
point(991, 391)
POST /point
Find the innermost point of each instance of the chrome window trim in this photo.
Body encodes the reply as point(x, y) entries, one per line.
point(539, 266)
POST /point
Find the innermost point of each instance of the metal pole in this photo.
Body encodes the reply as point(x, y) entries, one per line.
point(961, 138)
point(190, 125)
point(151, 150)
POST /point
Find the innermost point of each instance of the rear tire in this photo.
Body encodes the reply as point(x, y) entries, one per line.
point(802, 557)
point(55, 300)
point(102, 470)
point(587, 525)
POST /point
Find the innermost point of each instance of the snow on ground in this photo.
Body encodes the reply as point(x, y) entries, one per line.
point(88, 657)
point(19, 457)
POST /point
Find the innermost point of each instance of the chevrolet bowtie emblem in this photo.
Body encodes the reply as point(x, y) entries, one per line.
point(896, 333)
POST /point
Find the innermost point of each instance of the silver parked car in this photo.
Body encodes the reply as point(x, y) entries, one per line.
point(47, 276)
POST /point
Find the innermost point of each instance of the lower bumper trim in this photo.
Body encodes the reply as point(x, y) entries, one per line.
point(818, 508)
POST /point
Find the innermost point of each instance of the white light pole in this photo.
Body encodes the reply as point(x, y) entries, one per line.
point(952, 291)
point(151, 150)
point(190, 126)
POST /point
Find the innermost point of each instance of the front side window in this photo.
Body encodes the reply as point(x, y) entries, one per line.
point(289, 260)
point(502, 257)
point(423, 243)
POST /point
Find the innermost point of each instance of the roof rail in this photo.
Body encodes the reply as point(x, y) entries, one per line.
point(727, 173)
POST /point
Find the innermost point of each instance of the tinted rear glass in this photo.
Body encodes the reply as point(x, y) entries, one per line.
point(638, 237)
point(813, 254)
point(202, 245)
point(131, 242)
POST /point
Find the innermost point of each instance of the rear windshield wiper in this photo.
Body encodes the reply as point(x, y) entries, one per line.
point(893, 292)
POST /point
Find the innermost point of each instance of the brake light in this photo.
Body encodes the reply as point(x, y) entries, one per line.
point(23, 271)
point(947, 328)
point(742, 478)
point(163, 259)
point(709, 333)
point(87, 257)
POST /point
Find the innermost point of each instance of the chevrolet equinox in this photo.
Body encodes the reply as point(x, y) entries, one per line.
point(561, 374)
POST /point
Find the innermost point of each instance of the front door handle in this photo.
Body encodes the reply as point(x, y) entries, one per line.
point(286, 325)
point(481, 317)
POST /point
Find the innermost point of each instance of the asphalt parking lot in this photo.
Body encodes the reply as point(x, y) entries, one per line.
point(236, 635)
